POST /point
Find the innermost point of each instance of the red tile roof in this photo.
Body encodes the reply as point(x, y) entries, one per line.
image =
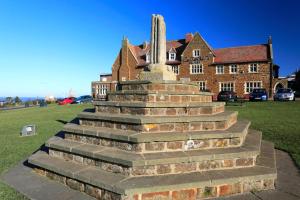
point(239, 54)
point(253, 53)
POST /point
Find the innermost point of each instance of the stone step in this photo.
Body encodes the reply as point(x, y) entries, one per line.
point(219, 121)
point(159, 109)
point(159, 86)
point(157, 104)
point(194, 185)
point(145, 96)
point(133, 164)
point(169, 141)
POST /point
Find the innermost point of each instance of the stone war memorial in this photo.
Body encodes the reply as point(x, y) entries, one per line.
point(158, 139)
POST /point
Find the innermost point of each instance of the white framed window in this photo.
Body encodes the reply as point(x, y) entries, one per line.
point(249, 86)
point(253, 68)
point(233, 69)
point(196, 69)
point(202, 85)
point(226, 86)
point(172, 56)
point(147, 57)
point(123, 78)
point(196, 53)
point(102, 89)
point(175, 69)
point(220, 69)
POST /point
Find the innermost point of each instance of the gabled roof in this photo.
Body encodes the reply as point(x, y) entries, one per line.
point(254, 53)
point(140, 53)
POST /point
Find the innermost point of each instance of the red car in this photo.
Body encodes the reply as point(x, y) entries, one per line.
point(66, 101)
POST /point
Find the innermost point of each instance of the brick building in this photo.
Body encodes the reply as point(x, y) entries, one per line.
point(240, 69)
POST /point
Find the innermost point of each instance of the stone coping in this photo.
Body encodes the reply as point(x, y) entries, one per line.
point(137, 82)
point(250, 148)
point(157, 104)
point(266, 169)
point(238, 129)
point(146, 92)
point(138, 119)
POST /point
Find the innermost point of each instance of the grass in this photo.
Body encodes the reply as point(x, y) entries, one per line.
point(279, 122)
point(14, 148)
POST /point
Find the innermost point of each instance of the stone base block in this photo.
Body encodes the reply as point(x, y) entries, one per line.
point(158, 73)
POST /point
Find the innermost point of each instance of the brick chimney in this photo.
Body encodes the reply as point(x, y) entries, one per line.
point(124, 52)
point(188, 37)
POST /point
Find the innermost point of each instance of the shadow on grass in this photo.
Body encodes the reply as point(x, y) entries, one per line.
point(73, 121)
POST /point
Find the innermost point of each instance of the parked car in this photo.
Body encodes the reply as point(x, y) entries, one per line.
point(258, 94)
point(227, 96)
point(66, 101)
point(284, 94)
point(83, 99)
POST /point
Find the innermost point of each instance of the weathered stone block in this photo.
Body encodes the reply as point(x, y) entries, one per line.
point(154, 146)
point(150, 127)
point(93, 191)
point(268, 184)
point(175, 145)
point(252, 186)
point(208, 125)
point(206, 110)
point(67, 156)
point(143, 170)
point(76, 185)
point(185, 167)
point(228, 189)
point(195, 126)
point(220, 143)
point(166, 127)
point(171, 111)
point(184, 194)
point(221, 125)
point(156, 196)
point(163, 169)
point(227, 163)
point(201, 144)
point(204, 165)
point(243, 162)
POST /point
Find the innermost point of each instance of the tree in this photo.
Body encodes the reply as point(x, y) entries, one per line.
point(297, 81)
point(18, 100)
point(9, 100)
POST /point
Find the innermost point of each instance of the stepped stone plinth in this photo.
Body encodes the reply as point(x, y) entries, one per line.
point(159, 139)
point(171, 149)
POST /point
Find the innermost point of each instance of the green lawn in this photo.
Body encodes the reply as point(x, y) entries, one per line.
point(14, 148)
point(279, 121)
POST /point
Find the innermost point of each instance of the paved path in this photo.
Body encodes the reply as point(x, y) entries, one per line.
point(40, 188)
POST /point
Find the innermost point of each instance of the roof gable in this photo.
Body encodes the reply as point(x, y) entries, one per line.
point(196, 37)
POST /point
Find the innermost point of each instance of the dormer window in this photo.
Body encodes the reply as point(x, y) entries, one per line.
point(147, 57)
point(172, 56)
point(196, 53)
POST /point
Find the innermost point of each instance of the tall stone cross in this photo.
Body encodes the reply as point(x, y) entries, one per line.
point(159, 71)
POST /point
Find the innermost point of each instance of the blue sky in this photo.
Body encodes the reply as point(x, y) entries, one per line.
point(52, 46)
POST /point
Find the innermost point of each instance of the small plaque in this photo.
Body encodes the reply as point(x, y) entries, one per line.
point(28, 130)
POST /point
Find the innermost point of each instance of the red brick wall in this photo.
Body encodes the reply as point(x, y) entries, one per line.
point(126, 66)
